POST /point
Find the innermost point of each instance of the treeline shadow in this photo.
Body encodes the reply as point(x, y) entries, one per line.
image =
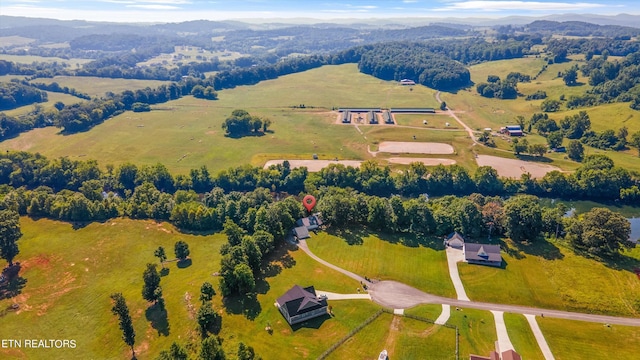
point(353, 236)
point(538, 247)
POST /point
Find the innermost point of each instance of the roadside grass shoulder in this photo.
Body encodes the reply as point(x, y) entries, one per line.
point(522, 337)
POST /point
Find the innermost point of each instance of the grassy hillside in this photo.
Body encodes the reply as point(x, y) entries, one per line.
point(405, 258)
point(71, 271)
point(187, 133)
point(97, 86)
point(552, 276)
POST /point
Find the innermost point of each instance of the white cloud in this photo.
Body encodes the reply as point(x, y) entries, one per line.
point(519, 5)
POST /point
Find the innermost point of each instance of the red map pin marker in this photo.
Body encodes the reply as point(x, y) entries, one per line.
point(309, 202)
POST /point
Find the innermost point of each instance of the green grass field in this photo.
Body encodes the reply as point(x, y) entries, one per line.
point(67, 293)
point(521, 336)
point(433, 121)
point(186, 133)
point(28, 59)
point(406, 338)
point(97, 86)
point(552, 276)
point(52, 98)
point(405, 258)
point(571, 340)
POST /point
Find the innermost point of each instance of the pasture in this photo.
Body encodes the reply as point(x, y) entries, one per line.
point(67, 293)
point(186, 133)
point(28, 59)
point(434, 121)
point(549, 275)
point(97, 86)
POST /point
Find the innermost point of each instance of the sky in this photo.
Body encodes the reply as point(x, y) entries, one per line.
point(184, 10)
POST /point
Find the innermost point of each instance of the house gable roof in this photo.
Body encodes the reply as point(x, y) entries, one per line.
point(299, 300)
point(482, 252)
point(301, 232)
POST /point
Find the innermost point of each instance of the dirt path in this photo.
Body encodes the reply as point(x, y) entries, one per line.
point(453, 115)
point(392, 338)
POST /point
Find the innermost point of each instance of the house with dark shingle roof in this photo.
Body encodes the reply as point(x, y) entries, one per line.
point(483, 254)
point(300, 304)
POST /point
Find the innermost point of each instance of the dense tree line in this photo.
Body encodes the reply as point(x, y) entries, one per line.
point(580, 28)
point(15, 94)
point(81, 191)
point(84, 115)
point(55, 87)
point(396, 61)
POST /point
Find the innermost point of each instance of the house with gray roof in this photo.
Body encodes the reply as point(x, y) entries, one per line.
point(300, 304)
point(483, 254)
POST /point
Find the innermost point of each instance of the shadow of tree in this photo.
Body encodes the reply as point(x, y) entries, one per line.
point(157, 315)
point(164, 271)
point(246, 305)
point(353, 236)
point(541, 248)
point(12, 283)
point(616, 261)
point(540, 159)
point(184, 263)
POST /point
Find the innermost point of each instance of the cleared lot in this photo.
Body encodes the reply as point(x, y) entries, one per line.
point(514, 168)
point(415, 147)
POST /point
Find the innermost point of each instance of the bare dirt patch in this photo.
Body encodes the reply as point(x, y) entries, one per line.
point(392, 338)
point(314, 165)
point(514, 168)
point(426, 161)
point(415, 147)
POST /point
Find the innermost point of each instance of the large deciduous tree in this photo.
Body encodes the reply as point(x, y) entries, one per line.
point(211, 349)
point(523, 218)
point(600, 232)
point(9, 235)
point(151, 285)
point(121, 309)
point(181, 250)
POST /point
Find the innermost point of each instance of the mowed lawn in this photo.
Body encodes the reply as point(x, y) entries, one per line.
point(403, 258)
point(71, 272)
point(573, 340)
point(552, 276)
point(521, 336)
point(406, 338)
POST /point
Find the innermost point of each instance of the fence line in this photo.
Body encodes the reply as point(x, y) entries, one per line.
point(351, 333)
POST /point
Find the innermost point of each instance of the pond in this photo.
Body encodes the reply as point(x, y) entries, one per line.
point(632, 213)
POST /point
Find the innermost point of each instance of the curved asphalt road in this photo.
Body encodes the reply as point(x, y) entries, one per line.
point(397, 295)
